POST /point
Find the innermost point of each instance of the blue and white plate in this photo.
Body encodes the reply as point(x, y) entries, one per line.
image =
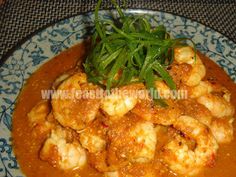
point(43, 46)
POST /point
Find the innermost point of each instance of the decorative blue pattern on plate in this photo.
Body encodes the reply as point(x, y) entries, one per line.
point(66, 33)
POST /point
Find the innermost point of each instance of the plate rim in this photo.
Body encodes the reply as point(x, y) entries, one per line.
point(133, 10)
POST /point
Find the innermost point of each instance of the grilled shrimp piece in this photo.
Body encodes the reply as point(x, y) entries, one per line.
point(71, 107)
point(41, 120)
point(205, 87)
point(184, 160)
point(144, 134)
point(217, 100)
point(38, 113)
point(93, 143)
point(144, 109)
point(196, 110)
point(222, 129)
point(198, 71)
point(63, 77)
point(62, 152)
point(132, 140)
point(218, 105)
point(121, 102)
point(117, 105)
point(165, 116)
point(214, 97)
point(202, 88)
point(93, 137)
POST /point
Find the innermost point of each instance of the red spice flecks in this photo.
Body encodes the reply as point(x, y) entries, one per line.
point(105, 125)
point(211, 162)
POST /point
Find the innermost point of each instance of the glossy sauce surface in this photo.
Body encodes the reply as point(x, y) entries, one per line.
point(27, 150)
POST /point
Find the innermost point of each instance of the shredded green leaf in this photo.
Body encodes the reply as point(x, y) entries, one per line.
point(129, 48)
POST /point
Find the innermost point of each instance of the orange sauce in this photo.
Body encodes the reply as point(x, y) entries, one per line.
point(27, 150)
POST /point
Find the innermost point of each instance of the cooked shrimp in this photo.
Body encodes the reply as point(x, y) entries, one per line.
point(144, 134)
point(92, 142)
point(121, 102)
point(214, 97)
point(184, 55)
point(165, 116)
point(63, 77)
point(198, 71)
point(41, 120)
point(38, 113)
point(183, 160)
point(133, 140)
point(93, 137)
point(61, 152)
point(218, 105)
point(217, 100)
point(205, 87)
point(202, 88)
point(147, 110)
point(144, 109)
point(196, 110)
point(71, 108)
point(222, 129)
point(118, 105)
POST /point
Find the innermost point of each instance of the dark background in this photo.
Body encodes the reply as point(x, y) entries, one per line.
point(20, 18)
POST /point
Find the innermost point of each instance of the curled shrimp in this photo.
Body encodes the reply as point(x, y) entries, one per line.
point(222, 129)
point(217, 100)
point(121, 102)
point(62, 152)
point(71, 108)
point(202, 88)
point(117, 106)
point(196, 110)
point(132, 140)
point(93, 137)
point(144, 109)
point(218, 105)
point(214, 97)
point(205, 87)
point(38, 113)
point(144, 134)
point(93, 143)
point(198, 71)
point(41, 120)
point(186, 161)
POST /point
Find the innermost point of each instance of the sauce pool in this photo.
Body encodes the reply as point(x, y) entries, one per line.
point(27, 151)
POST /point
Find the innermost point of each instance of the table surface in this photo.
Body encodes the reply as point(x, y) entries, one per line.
point(20, 18)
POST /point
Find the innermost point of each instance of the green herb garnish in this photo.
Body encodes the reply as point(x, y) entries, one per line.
point(132, 49)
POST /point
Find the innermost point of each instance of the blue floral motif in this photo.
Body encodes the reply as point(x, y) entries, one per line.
point(66, 33)
point(63, 32)
point(37, 56)
point(7, 160)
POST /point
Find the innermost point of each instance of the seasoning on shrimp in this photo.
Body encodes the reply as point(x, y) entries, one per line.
point(122, 134)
